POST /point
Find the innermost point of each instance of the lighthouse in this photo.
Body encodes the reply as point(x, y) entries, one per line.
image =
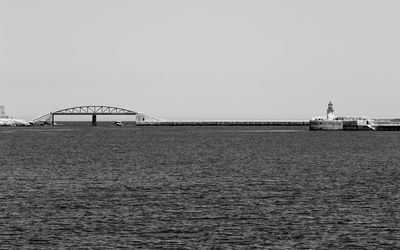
point(3, 112)
point(329, 112)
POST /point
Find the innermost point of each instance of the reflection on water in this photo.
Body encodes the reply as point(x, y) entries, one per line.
point(192, 187)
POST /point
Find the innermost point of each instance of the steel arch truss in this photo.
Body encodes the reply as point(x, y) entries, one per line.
point(94, 110)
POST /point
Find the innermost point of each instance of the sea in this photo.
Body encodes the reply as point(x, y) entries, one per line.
point(139, 187)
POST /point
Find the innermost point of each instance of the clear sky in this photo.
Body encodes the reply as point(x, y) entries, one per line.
point(204, 59)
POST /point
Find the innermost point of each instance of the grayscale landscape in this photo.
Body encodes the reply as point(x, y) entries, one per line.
point(199, 124)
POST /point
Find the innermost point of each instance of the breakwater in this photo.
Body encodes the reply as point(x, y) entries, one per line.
point(224, 123)
point(388, 127)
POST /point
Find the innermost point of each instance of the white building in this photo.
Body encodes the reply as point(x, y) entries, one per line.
point(5, 120)
point(3, 112)
point(329, 112)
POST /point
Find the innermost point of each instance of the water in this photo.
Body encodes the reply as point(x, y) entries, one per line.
point(198, 188)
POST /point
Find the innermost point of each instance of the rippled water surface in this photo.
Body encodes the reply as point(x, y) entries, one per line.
point(198, 187)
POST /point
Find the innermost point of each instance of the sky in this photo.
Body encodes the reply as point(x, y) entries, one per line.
point(208, 59)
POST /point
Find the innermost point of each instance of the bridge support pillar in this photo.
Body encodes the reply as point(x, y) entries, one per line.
point(94, 120)
point(52, 119)
point(140, 118)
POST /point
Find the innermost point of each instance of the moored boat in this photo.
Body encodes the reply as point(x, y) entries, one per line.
point(117, 123)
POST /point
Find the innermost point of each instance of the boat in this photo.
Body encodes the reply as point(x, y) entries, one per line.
point(117, 123)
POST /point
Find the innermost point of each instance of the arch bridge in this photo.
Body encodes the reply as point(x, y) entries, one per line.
point(94, 111)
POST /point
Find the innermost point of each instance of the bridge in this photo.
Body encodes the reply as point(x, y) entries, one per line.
point(94, 111)
point(146, 120)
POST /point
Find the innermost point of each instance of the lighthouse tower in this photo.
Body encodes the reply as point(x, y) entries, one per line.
point(329, 112)
point(3, 112)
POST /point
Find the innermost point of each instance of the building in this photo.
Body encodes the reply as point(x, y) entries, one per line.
point(329, 112)
point(3, 112)
point(330, 122)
